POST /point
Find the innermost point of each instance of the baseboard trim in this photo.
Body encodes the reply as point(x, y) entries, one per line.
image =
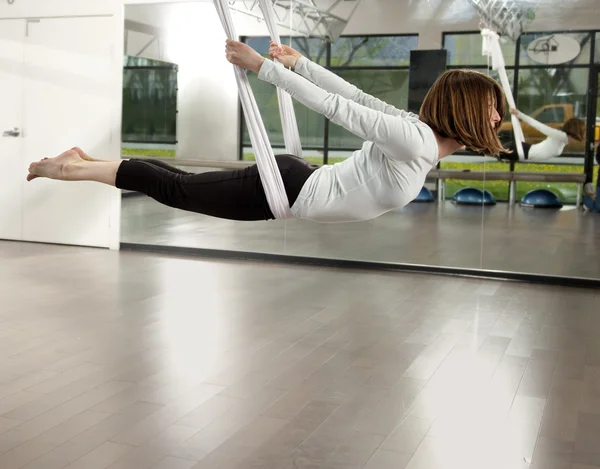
point(219, 254)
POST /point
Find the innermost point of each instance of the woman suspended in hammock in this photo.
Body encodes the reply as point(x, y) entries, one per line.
point(551, 147)
point(464, 108)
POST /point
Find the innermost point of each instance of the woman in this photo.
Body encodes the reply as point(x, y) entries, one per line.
point(551, 147)
point(463, 108)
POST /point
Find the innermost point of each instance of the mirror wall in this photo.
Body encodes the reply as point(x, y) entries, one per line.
point(553, 88)
point(180, 105)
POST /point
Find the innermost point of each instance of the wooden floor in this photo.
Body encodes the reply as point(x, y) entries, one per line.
point(534, 241)
point(132, 361)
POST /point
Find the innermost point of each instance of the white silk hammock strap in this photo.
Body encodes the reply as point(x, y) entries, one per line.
point(491, 48)
point(291, 137)
point(265, 158)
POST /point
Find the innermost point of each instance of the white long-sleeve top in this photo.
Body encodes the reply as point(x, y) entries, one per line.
point(388, 171)
point(548, 148)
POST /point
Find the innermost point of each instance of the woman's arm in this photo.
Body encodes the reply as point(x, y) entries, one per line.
point(546, 130)
point(328, 80)
point(333, 83)
point(396, 136)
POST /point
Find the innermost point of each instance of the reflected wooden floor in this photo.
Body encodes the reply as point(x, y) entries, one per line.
point(538, 241)
point(132, 361)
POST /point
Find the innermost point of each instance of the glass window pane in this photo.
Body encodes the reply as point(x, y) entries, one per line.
point(390, 86)
point(552, 96)
point(465, 49)
point(310, 124)
point(149, 111)
point(374, 51)
point(552, 115)
point(259, 44)
point(543, 48)
point(313, 48)
point(597, 49)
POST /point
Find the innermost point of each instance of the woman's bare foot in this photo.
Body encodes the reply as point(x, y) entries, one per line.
point(83, 155)
point(55, 168)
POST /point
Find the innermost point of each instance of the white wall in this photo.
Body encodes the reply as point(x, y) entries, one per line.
point(192, 37)
point(50, 8)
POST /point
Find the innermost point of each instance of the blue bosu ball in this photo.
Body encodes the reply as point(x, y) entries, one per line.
point(473, 196)
point(541, 198)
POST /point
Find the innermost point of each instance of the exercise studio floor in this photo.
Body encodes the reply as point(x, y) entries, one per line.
point(131, 361)
point(551, 242)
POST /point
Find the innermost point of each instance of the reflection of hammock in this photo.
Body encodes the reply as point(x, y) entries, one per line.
point(265, 159)
point(491, 48)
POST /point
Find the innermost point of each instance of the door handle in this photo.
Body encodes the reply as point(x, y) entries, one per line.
point(12, 133)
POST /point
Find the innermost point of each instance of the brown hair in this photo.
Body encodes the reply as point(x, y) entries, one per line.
point(457, 107)
point(575, 128)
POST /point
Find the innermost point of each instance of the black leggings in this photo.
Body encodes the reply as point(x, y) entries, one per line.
point(514, 156)
point(234, 195)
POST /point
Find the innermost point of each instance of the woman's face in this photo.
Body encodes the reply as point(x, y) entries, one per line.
point(494, 115)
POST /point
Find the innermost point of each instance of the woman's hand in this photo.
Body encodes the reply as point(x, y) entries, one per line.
point(243, 55)
point(287, 56)
point(514, 111)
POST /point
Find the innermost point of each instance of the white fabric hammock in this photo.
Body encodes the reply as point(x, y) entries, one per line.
point(265, 158)
point(491, 48)
point(289, 125)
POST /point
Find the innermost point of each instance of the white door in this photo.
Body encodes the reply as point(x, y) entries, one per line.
point(12, 35)
point(68, 101)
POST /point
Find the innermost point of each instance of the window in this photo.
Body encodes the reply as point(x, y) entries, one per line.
point(539, 87)
point(465, 49)
point(149, 101)
point(553, 115)
point(310, 124)
point(552, 96)
point(373, 51)
point(390, 86)
point(378, 65)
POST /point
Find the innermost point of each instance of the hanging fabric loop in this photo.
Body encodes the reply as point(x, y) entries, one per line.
point(265, 158)
point(491, 48)
point(289, 124)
